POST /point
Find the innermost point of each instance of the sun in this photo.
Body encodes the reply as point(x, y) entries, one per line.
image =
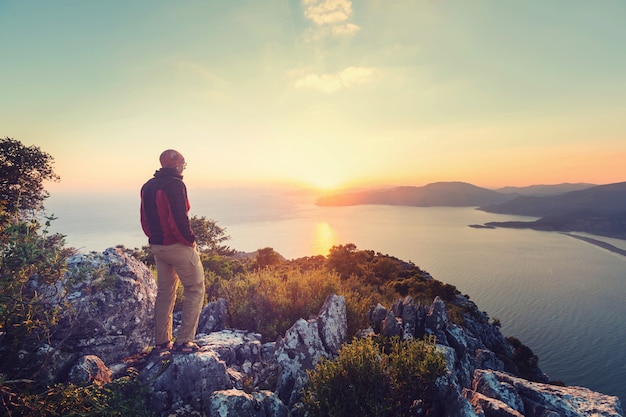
point(325, 182)
point(323, 176)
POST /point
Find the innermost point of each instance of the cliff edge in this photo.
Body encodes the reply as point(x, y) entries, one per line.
point(105, 334)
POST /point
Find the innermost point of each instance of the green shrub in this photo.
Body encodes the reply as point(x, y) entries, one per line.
point(27, 254)
point(373, 378)
point(524, 358)
point(122, 397)
point(269, 301)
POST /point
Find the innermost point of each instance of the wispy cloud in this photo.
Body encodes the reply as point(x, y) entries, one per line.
point(330, 83)
point(330, 17)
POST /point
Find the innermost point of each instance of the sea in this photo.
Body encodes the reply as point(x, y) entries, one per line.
point(562, 297)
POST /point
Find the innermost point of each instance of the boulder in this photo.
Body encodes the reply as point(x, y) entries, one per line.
point(236, 403)
point(107, 309)
point(111, 305)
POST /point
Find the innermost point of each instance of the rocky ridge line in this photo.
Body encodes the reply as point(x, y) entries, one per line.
point(234, 374)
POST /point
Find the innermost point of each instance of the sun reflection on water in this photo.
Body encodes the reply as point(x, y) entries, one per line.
point(324, 238)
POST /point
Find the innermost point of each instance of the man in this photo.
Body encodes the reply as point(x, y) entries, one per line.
point(164, 219)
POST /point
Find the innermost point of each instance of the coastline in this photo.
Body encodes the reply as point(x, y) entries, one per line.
point(599, 243)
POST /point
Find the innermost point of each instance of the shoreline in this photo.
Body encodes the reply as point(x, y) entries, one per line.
point(599, 243)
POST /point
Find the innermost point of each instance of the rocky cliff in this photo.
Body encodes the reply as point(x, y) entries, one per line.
point(106, 333)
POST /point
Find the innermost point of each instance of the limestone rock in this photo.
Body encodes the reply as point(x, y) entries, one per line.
point(213, 317)
point(376, 317)
point(436, 320)
point(213, 379)
point(534, 399)
point(236, 403)
point(111, 306)
point(390, 326)
point(409, 319)
point(490, 407)
point(332, 323)
point(107, 302)
point(179, 380)
point(303, 346)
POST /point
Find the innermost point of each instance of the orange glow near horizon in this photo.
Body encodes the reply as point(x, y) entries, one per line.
point(599, 163)
point(308, 117)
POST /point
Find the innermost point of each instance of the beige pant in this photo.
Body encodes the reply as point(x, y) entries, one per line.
point(176, 262)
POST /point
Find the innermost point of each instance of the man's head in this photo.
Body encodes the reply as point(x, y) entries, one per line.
point(173, 159)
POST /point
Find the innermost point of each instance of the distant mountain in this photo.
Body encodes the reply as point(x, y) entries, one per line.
point(600, 199)
point(599, 210)
point(542, 189)
point(454, 194)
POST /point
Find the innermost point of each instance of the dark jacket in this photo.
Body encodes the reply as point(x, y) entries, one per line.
point(165, 208)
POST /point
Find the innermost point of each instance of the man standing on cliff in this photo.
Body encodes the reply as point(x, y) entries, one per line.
point(165, 220)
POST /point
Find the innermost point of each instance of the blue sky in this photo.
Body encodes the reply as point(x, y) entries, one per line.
point(329, 93)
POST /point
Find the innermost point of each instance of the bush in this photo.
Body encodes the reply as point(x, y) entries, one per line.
point(122, 397)
point(28, 255)
point(524, 358)
point(269, 301)
point(373, 378)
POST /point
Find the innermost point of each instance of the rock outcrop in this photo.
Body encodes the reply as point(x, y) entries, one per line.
point(306, 342)
point(105, 305)
point(235, 375)
point(477, 356)
point(107, 330)
point(501, 394)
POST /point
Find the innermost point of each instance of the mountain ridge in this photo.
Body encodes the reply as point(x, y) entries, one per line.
point(453, 194)
point(442, 193)
point(599, 210)
point(545, 189)
point(595, 209)
point(602, 199)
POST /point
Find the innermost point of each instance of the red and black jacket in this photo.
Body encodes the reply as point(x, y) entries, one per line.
point(165, 208)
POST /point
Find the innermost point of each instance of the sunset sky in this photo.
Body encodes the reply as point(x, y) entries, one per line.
point(323, 93)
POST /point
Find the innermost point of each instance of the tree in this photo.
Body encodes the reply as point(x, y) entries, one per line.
point(23, 169)
point(347, 261)
point(209, 239)
point(28, 252)
point(267, 257)
point(209, 236)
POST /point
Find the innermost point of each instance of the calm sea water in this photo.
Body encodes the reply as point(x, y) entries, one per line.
point(562, 297)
